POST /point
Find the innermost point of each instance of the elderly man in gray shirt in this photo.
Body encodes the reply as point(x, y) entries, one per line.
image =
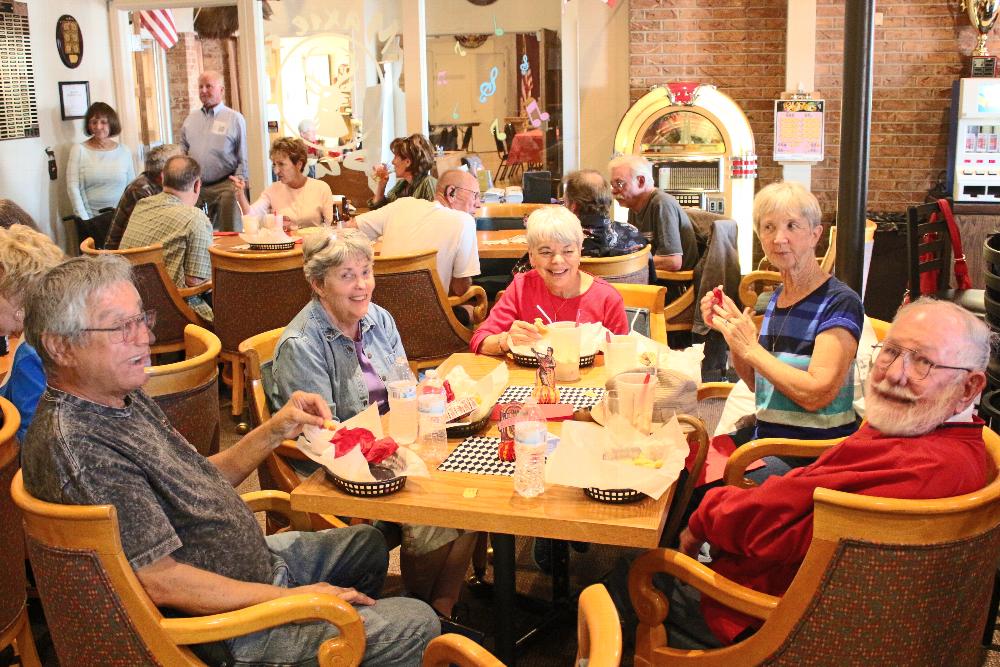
point(216, 136)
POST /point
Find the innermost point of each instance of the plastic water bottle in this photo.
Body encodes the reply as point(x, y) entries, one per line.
point(402, 388)
point(530, 437)
point(431, 401)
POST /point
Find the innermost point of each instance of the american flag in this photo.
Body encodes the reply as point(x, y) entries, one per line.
point(160, 24)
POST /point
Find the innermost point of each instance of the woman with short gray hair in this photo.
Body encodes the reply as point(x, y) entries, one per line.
point(554, 288)
point(342, 346)
point(25, 256)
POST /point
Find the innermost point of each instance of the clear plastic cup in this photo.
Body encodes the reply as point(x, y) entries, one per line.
point(636, 395)
point(565, 340)
point(620, 355)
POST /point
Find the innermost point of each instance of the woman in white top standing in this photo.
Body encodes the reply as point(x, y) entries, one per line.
point(303, 201)
point(99, 168)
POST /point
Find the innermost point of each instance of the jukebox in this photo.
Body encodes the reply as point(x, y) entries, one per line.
point(702, 151)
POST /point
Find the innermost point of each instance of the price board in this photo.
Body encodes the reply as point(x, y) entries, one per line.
point(798, 130)
point(18, 106)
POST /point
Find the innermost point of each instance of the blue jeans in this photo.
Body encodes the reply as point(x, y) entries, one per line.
point(397, 630)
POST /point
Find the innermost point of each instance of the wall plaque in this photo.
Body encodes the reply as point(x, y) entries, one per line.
point(69, 41)
point(18, 106)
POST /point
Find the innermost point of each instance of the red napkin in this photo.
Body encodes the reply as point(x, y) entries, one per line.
point(374, 451)
point(225, 233)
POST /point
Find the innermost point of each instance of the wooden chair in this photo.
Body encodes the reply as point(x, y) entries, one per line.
point(698, 440)
point(159, 293)
point(598, 629)
point(928, 246)
point(452, 649)
point(188, 391)
point(254, 292)
point(275, 472)
point(352, 185)
point(679, 313)
point(870, 591)
point(409, 288)
point(99, 614)
point(599, 638)
point(15, 628)
point(630, 268)
point(650, 297)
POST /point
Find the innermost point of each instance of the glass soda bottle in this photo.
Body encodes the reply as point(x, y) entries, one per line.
point(431, 401)
point(530, 437)
point(402, 388)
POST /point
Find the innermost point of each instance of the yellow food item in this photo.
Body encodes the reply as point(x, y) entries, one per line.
point(647, 359)
point(330, 425)
point(644, 462)
point(542, 329)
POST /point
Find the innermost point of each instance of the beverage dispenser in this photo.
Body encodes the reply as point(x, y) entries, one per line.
point(976, 143)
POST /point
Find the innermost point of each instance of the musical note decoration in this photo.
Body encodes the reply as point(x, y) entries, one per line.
point(442, 79)
point(498, 31)
point(454, 113)
point(488, 88)
point(524, 66)
point(459, 50)
point(535, 115)
point(495, 128)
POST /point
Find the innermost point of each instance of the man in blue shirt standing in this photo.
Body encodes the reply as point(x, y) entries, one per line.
point(216, 136)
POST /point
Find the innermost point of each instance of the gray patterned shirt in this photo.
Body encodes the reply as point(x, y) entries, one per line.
point(171, 501)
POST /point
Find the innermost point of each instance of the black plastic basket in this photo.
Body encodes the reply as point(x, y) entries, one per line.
point(272, 246)
point(385, 483)
point(531, 361)
point(613, 496)
point(470, 429)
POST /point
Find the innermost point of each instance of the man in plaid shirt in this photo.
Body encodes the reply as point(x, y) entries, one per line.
point(171, 219)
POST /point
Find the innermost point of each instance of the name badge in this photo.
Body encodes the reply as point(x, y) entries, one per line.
point(218, 127)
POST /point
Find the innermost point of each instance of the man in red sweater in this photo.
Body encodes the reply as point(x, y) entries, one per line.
point(921, 440)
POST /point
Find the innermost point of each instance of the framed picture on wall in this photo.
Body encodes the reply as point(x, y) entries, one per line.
point(74, 99)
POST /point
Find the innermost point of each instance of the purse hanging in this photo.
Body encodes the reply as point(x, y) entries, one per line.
point(929, 279)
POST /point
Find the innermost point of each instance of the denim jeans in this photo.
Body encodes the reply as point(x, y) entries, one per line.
point(397, 630)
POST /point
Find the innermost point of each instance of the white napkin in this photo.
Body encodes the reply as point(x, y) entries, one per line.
point(579, 459)
point(591, 339)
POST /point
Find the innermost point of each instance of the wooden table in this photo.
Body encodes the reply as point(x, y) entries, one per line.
point(561, 513)
point(503, 250)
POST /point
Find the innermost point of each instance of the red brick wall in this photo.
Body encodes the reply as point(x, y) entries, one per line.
point(739, 46)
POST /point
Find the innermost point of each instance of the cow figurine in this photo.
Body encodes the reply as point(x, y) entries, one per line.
point(545, 378)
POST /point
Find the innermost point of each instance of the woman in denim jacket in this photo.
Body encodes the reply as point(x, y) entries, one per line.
point(341, 346)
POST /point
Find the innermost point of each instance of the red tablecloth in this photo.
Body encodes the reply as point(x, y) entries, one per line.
point(527, 147)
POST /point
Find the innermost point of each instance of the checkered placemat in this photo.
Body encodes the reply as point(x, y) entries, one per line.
point(579, 397)
point(477, 455)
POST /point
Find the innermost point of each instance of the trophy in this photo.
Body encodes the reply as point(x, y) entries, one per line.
point(982, 15)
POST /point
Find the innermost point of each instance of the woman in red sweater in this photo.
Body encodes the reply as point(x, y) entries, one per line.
point(554, 285)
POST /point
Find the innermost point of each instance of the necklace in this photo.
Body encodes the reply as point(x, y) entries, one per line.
point(784, 321)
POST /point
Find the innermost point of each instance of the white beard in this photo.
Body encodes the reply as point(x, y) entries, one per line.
point(912, 416)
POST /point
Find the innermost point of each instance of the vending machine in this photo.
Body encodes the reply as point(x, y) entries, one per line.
point(975, 145)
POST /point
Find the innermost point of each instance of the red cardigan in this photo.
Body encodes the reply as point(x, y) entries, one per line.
point(763, 533)
point(600, 303)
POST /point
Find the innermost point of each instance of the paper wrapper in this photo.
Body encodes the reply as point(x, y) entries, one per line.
point(315, 443)
point(686, 361)
point(580, 461)
point(488, 388)
point(591, 340)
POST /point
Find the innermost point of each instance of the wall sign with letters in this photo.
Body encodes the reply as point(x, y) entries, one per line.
point(798, 130)
point(18, 106)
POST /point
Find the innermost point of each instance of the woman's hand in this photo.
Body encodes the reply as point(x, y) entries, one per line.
point(523, 333)
point(381, 173)
point(736, 327)
point(239, 184)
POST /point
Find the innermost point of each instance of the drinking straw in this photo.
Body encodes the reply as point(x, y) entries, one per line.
point(543, 313)
point(631, 326)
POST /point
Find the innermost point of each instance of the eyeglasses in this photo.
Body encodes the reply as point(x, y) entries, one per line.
point(475, 193)
point(884, 354)
point(128, 328)
point(618, 183)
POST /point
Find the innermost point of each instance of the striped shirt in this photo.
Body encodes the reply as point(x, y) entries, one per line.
point(790, 334)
